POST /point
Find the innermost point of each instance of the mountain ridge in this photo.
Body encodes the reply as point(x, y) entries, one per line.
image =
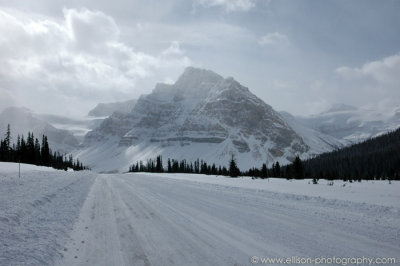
point(204, 115)
point(216, 116)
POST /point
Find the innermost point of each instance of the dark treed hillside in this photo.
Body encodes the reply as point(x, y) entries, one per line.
point(31, 151)
point(377, 158)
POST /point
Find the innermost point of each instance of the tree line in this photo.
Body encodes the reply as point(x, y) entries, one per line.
point(183, 166)
point(202, 167)
point(32, 151)
point(376, 158)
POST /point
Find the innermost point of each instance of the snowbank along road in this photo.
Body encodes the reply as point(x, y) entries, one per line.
point(58, 218)
point(37, 212)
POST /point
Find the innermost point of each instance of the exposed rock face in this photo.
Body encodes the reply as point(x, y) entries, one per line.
point(106, 109)
point(202, 108)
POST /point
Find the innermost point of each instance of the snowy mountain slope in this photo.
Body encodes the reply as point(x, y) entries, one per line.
point(22, 121)
point(201, 116)
point(350, 124)
point(106, 109)
point(316, 140)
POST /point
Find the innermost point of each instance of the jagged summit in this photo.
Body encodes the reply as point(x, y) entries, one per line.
point(194, 86)
point(194, 77)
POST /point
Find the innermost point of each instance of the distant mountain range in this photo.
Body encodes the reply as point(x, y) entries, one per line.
point(352, 125)
point(22, 121)
point(205, 116)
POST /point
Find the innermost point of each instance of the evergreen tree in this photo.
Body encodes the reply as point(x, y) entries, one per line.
point(276, 169)
point(298, 168)
point(23, 150)
point(159, 165)
point(5, 146)
point(45, 151)
point(7, 140)
point(169, 167)
point(38, 157)
point(264, 171)
point(233, 169)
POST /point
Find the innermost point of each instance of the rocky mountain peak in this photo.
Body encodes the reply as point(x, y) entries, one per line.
point(195, 78)
point(204, 116)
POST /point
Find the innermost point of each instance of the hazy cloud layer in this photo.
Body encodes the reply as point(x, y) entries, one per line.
point(65, 56)
point(274, 39)
point(384, 73)
point(80, 57)
point(229, 5)
point(371, 82)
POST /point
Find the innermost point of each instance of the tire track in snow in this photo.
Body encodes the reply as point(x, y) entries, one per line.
point(149, 220)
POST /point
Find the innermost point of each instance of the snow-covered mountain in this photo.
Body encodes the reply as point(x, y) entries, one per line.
point(106, 109)
point(205, 116)
point(316, 140)
point(350, 124)
point(202, 115)
point(22, 121)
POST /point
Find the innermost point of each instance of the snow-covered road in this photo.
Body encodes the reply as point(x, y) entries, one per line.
point(137, 219)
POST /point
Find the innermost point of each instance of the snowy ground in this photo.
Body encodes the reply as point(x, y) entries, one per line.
point(15, 168)
point(373, 192)
point(37, 211)
point(150, 219)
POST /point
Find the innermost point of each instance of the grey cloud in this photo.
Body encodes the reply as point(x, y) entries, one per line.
point(90, 27)
point(229, 5)
point(81, 57)
point(274, 39)
point(385, 72)
point(371, 83)
point(99, 50)
point(6, 99)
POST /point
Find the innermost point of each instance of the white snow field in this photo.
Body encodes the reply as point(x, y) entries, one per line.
point(83, 218)
point(37, 211)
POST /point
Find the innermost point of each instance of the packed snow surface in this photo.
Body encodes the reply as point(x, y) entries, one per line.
point(179, 219)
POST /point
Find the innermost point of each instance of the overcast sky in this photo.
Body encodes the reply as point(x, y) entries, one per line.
point(63, 57)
